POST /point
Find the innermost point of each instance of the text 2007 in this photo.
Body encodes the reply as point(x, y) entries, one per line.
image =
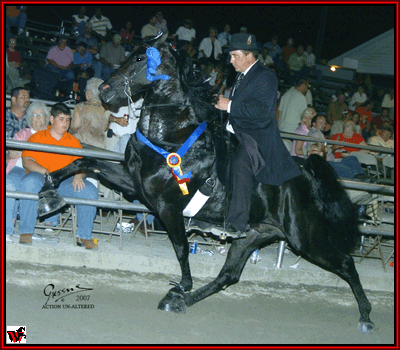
point(82, 297)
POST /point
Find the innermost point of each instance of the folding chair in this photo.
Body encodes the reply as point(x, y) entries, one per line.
point(387, 161)
point(368, 160)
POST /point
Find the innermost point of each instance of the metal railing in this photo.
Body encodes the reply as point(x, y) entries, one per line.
point(114, 156)
point(69, 103)
point(122, 205)
point(286, 135)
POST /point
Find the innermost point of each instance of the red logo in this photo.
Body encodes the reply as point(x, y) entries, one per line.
point(16, 334)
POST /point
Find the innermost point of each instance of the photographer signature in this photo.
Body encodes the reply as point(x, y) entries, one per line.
point(51, 293)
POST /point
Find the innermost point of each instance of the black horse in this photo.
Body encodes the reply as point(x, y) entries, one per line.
point(311, 212)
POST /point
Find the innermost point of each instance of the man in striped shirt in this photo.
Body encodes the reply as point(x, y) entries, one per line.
point(101, 25)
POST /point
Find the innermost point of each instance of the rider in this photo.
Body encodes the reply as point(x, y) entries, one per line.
point(261, 155)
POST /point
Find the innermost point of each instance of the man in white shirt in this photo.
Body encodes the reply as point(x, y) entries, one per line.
point(225, 37)
point(311, 64)
point(358, 98)
point(186, 32)
point(210, 49)
point(291, 107)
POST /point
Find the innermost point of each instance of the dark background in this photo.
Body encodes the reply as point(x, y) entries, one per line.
point(347, 26)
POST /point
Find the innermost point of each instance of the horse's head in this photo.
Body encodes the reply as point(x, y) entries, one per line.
point(131, 77)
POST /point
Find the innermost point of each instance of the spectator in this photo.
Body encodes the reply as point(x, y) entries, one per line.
point(302, 129)
point(122, 135)
point(366, 117)
point(297, 66)
point(356, 119)
point(186, 32)
point(101, 25)
point(38, 164)
point(161, 22)
point(14, 62)
point(273, 47)
point(383, 139)
point(308, 95)
point(15, 17)
point(112, 55)
point(80, 85)
point(92, 48)
point(90, 121)
point(79, 21)
point(59, 60)
point(265, 58)
point(82, 59)
point(310, 63)
point(243, 30)
point(348, 167)
point(349, 135)
point(317, 148)
point(210, 49)
point(218, 78)
point(336, 108)
point(378, 121)
point(318, 125)
point(288, 50)
point(119, 134)
point(225, 37)
point(388, 102)
point(292, 105)
point(14, 58)
point(15, 114)
point(127, 34)
point(37, 118)
point(358, 98)
point(150, 29)
point(337, 126)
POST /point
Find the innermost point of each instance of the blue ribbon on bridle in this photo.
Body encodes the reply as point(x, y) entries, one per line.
point(174, 159)
point(153, 61)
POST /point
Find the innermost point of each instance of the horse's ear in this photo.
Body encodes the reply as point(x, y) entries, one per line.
point(159, 39)
point(173, 51)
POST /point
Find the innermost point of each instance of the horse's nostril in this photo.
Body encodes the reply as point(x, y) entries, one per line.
point(106, 88)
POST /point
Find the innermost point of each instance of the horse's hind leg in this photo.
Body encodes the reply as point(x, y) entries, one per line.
point(342, 264)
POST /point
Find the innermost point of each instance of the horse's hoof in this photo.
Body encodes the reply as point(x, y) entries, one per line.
point(49, 201)
point(366, 327)
point(174, 301)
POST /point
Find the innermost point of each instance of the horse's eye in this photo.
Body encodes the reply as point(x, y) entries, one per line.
point(138, 59)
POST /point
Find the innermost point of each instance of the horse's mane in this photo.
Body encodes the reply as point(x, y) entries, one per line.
point(194, 86)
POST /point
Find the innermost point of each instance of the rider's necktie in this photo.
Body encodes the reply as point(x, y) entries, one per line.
point(237, 83)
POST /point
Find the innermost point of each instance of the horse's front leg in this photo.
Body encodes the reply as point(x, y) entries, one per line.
point(173, 221)
point(230, 273)
point(49, 199)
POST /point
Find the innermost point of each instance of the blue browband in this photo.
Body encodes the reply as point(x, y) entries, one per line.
point(174, 159)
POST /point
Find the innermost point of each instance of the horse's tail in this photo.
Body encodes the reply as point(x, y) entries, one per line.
point(340, 214)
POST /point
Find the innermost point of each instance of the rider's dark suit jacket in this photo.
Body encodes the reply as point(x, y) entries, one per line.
point(253, 113)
